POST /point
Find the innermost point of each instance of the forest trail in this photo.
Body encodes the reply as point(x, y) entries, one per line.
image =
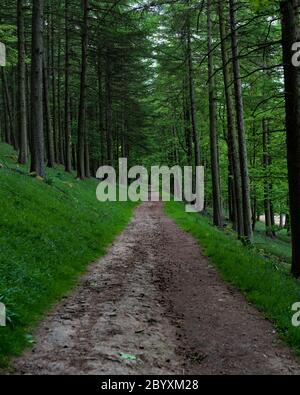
point(154, 305)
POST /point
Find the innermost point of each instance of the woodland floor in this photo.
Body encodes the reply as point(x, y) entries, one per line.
point(156, 297)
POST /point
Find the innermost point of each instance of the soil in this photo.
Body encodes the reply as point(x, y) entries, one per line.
point(154, 305)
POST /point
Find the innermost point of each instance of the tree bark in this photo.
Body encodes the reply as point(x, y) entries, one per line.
point(290, 35)
point(233, 144)
point(82, 100)
point(214, 148)
point(247, 234)
point(187, 124)
point(60, 132)
point(197, 154)
point(6, 109)
point(21, 101)
point(37, 160)
point(48, 120)
point(108, 111)
point(266, 163)
point(11, 139)
point(53, 78)
point(87, 169)
point(68, 141)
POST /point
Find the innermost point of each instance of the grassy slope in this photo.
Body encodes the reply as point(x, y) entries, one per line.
point(266, 284)
point(49, 232)
point(279, 247)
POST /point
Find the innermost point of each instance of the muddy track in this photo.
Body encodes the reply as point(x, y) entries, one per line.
point(154, 296)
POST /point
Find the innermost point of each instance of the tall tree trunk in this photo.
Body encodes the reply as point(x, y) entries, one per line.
point(53, 79)
point(187, 125)
point(82, 101)
point(38, 155)
point(248, 234)
point(233, 145)
point(7, 133)
point(48, 120)
point(22, 115)
point(87, 169)
point(214, 148)
point(254, 213)
point(266, 163)
point(287, 224)
point(68, 142)
point(61, 134)
point(100, 106)
point(197, 154)
point(11, 139)
point(281, 221)
point(290, 35)
point(14, 109)
point(108, 111)
point(28, 108)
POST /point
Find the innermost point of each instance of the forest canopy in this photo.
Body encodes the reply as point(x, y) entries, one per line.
point(162, 82)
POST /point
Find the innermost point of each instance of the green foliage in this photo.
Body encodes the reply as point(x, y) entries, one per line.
point(262, 2)
point(8, 36)
point(263, 94)
point(50, 232)
point(266, 284)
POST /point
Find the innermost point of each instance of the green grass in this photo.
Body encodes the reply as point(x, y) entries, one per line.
point(278, 247)
point(264, 282)
point(49, 232)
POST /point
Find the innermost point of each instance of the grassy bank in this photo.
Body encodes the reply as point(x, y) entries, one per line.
point(266, 284)
point(278, 247)
point(50, 231)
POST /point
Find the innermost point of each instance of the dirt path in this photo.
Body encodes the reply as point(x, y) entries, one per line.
point(155, 296)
